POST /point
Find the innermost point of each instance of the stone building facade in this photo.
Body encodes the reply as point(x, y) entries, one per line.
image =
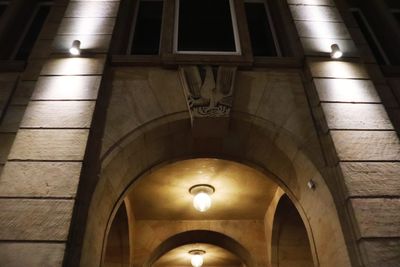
point(98, 152)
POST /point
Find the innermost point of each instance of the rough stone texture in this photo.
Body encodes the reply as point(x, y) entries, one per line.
point(337, 69)
point(346, 90)
point(23, 92)
point(371, 178)
point(356, 116)
point(312, 2)
point(74, 66)
point(23, 219)
point(40, 179)
point(377, 217)
point(367, 145)
point(86, 26)
point(49, 145)
point(381, 252)
point(319, 29)
point(31, 254)
point(67, 88)
point(58, 114)
point(7, 140)
point(92, 9)
point(315, 13)
point(12, 119)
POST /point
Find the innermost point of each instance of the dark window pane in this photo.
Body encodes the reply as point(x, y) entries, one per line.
point(369, 37)
point(146, 40)
point(397, 16)
point(32, 33)
point(262, 40)
point(3, 8)
point(205, 25)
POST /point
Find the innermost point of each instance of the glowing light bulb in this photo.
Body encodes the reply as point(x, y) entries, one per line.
point(75, 49)
point(197, 260)
point(202, 201)
point(336, 52)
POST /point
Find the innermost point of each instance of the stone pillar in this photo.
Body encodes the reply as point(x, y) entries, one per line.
point(360, 144)
point(40, 179)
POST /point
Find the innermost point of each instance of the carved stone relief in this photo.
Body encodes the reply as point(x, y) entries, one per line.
point(209, 93)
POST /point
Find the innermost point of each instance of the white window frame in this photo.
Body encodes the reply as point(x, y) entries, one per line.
point(28, 25)
point(371, 32)
point(271, 24)
point(235, 35)
point(133, 25)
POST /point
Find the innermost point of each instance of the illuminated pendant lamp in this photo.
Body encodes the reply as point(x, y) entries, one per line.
point(202, 199)
point(197, 257)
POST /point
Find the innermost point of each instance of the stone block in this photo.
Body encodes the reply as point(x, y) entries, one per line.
point(58, 114)
point(12, 119)
point(356, 116)
point(49, 145)
point(346, 90)
point(315, 13)
point(23, 93)
point(40, 219)
point(381, 252)
point(67, 88)
point(371, 178)
point(32, 70)
point(377, 217)
point(312, 2)
point(92, 9)
point(86, 26)
point(367, 145)
point(74, 66)
point(33, 254)
point(321, 29)
point(92, 43)
point(6, 141)
point(321, 68)
point(40, 179)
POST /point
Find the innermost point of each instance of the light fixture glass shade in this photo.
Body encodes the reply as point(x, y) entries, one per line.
point(75, 49)
point(197, 260)
point(202, 201)
point(336, 52)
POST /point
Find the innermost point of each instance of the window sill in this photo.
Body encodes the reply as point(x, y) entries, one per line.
point(173, 60)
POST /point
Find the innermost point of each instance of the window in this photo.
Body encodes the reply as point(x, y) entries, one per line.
point(145, 39)
point(3, 7)
point(205, 27)
point(370, 37)
point(396, 14)
point(32, 31)
point(262, 34)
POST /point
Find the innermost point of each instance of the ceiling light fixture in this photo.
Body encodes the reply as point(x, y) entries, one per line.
point(202, 199)
point(75, 49)
point(336, 52)
point(197, 258)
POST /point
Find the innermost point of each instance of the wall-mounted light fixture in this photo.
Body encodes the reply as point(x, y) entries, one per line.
point(197, 258)
point(202, 199)
point(336, 52)
point(75, 49)
point(311, 184)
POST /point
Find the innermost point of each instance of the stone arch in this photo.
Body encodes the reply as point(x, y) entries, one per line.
point(201, 236)
point(289, 235)
point(252, 141)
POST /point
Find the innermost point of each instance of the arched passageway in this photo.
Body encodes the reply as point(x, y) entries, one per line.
point(284, 162)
